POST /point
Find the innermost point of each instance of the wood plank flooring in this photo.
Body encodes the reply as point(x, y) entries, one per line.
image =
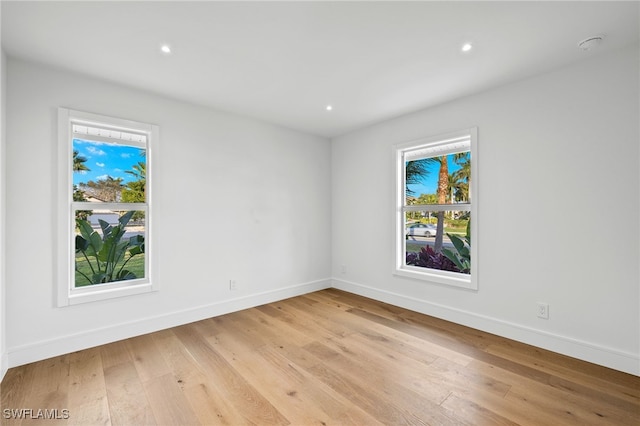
point(325, 358)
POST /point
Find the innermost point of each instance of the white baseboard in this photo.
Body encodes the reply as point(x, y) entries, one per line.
point(88, 339)
point(4, 365)
point(575, 348)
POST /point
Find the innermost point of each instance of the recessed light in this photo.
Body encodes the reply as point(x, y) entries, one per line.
point(329, 107)
point(165, 48)
point(467, 47)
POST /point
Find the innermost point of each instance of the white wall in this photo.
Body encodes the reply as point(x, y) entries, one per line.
point(558, 211)
point(3, 91)
point(234, 199)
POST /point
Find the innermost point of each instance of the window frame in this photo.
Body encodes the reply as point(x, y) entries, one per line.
point(67, 293)
point(400, 268)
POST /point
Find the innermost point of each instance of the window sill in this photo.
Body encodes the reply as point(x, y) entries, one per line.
point(452, 279)
point(108, 291)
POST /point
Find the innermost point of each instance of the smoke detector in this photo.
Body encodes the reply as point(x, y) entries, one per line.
point(590, 42)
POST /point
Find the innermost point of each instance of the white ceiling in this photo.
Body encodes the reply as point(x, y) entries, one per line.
point(283, 62)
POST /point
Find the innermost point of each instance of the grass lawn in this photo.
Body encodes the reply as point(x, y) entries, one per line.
point(413, 247)
point(135, 265)
point(451, 226)
point(455, 229)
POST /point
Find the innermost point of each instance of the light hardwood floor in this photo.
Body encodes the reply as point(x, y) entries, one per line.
point(325, 358)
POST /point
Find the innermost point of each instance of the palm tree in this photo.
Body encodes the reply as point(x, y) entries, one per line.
point(461, 179)
point(458, 187)
point(139, 171)
point(78, 195)
point(134, 192)
point(106, 190)
point(442, 192)
point(78, 162)
point(415, 171)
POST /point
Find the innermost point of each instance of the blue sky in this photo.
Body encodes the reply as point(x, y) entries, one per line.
point(429, 184)
point(106, 160)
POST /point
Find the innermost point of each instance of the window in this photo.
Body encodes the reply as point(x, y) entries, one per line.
point(104, 183)
point(435, 218)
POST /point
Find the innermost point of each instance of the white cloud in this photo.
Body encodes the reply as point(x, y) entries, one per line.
point(102, 177)
point(100, 164)
point(125, 155)
point(95, 151)
point(82, 142)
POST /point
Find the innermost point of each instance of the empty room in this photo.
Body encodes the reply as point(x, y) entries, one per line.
point(320, 213)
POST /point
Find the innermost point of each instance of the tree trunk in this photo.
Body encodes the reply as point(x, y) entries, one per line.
point(443, 190)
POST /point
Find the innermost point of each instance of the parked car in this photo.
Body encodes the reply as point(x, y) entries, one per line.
point(421, 230)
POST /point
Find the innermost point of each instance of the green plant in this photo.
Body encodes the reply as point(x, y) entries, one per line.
point(107, 255)
point(427, 257)
point(462, 255)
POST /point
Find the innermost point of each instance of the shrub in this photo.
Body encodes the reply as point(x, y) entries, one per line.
point(108, 255)
point(428, 258)
point(461, 257)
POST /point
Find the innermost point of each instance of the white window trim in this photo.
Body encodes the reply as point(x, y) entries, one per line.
point(66, 293)
point(467, 281)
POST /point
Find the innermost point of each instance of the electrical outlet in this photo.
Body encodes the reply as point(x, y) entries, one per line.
point(343, 269)
point(543, 310)
point(233, 285)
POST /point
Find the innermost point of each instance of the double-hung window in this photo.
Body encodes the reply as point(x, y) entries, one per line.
point(104, 183)
point(436, 209)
